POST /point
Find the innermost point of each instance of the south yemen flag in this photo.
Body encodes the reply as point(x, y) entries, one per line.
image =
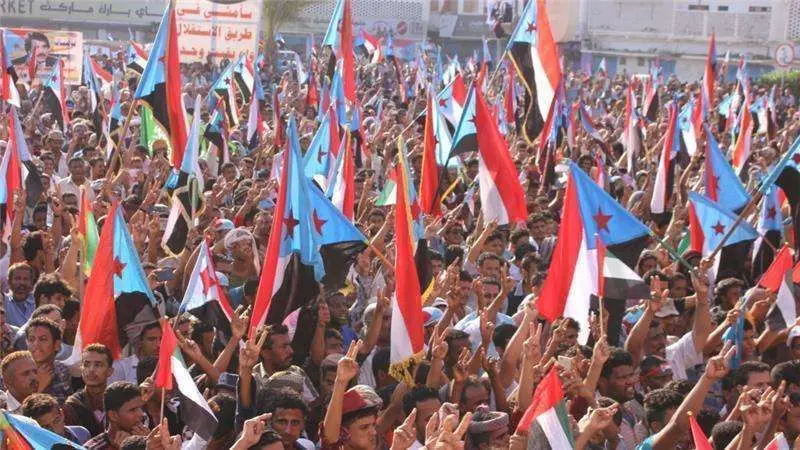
point(17, 172)
point(136, 57)
point(311, 241)
point(87, 227)
point(786, 175)
point(572, 279)
point(407, 335)
point(119, 301)
point(533, 51)
point(55, 95)
point(546, 420)
point(194, 410)
point(22, 433)
point(8, 88)
point(160, 87)
point(709, 222)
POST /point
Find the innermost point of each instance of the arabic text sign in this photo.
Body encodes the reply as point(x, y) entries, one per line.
point(49, 46)
point(130, 12)
point(222, 30)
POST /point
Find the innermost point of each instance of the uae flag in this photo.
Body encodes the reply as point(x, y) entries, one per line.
point(407, 334)
point(17, 172)
point(619, 280)
point(55, 95)
point(118, 301)
point(546, 421)
point(187, 194)
point(589, 212)
point(87, 227)
point(533, 51)
point(310, 241)
point(136, 57)
point(161, 88)
point(502, 198)
point(193, 409)
point(8, 77)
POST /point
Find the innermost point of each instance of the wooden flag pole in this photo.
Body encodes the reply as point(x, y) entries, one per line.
point(122, 135)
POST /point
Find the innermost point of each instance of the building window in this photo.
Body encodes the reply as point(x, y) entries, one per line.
point(698, 7)
point(723, 8)
point(759, 9)
point(623, 60)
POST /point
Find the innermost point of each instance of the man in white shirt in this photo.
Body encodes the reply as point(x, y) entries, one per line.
point(77, 178)
point(125, 368)
point(19, 376)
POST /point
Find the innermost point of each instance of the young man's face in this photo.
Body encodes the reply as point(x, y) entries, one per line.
point(280, 351)
point(151, 339)
point(289, 423)
point(129, 415)
point(363, 433)
point(41, 344)
point(95, 369)
point(53, 421)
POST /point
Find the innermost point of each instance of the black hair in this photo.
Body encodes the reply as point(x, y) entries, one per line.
point(502, 334)
point(682, 387)
point(268, 438)
point(380, 361)
point(619, 357)
point(486, 256)
point(274, 330)
point(416, 395)
point(788, 371)
point(657, 402)
point(707, 418)
point(49, 284)
point(725, 432)
point(118, 393)
point(33, 243)
point(199, 328)
point(35, 36)
point(44, 322)
point(748, 367)
point(146, 367)
point(286, 398)
point(71, 307)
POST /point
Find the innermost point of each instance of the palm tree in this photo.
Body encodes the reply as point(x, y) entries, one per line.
point(278, 12)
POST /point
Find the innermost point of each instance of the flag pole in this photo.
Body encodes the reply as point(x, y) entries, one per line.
point(122, 135)
point(163, 398)
point(380, 255)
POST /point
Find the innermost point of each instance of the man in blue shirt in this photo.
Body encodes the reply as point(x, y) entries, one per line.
point(19, 303)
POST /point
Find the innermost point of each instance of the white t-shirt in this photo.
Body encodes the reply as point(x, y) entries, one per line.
point(682, 355)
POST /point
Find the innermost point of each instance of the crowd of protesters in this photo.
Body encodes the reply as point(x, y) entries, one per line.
point(487, 346)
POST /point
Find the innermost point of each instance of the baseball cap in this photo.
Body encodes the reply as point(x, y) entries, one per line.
point(223, 224)
point(654, 366)
point(360, 397)
point(228, 380)
point(793, 334)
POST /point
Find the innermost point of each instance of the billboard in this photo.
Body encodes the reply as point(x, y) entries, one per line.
point(221, 29)
point(130, 12)
point(48, 46)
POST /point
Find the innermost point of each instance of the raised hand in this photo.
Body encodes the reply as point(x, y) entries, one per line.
point(347, 367)
point(719, 365)
point(253, 429)
point(406, 434)
point(532, 345)
point(439, 347)
point(460, 370)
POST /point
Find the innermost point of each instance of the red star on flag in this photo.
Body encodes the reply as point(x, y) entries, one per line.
point(771, 212)
point(118, 267)
point(601, 219)
point(318, 223)
point(209, 280)
point(796, 158)
point(290, 222)
point(443, 102)
point(531, 27)
point(719, 228)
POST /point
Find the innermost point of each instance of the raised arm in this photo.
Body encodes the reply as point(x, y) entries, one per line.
point(346, 370)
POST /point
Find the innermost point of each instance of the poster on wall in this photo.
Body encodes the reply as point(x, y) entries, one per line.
point(219, 29)
point(35, 51)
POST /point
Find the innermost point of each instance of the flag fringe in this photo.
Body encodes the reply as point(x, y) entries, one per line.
point(401, 371)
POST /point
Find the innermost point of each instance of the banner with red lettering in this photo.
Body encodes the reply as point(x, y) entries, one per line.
point(221, 29)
